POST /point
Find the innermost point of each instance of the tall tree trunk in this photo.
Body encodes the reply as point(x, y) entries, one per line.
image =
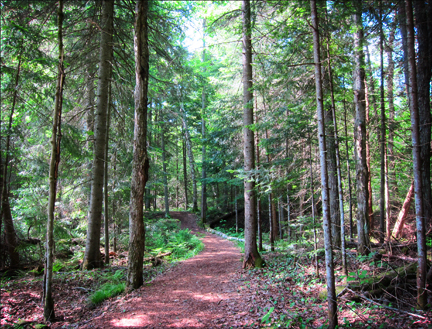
point(332, 178)
point(368, 157)
point(288, 215)
point(331, 293)
point(92, 258)
point(341, 230)
point(348, 173)
point(360, 135)
point(370, 94)
point(203, 115)
point(271, 224)
point(313, 209)
point(185, 175)
point(259, 208)
point(417, 165)
point(10, 233)
point(165, 174)
point(424, 65)
point(251, 258)
point(391, 111)
point(114, 164)
point(106, 201)
point(140, 164)
point(49, 314)
point(383, 147)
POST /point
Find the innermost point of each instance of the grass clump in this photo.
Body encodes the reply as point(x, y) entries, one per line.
point(111, 288)
point(108, 290)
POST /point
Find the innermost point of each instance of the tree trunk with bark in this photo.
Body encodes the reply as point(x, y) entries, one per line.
point(391, 110)
point(140, 164)
point(383, 135)
point(48, 301)
point(106, 201)
point(203, 131)
point(251, 257)
point(331, 293)
point(424, 65)
point(417, 160)
point(165, 174)
point(185, 181)
point(92, 258)
point(360, 135)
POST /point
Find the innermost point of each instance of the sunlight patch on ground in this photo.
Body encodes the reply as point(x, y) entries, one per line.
point(137, 320)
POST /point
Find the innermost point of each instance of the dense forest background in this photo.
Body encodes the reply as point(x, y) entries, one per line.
point(195, 122)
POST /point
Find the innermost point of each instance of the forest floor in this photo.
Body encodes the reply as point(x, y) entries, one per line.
point(210, 290)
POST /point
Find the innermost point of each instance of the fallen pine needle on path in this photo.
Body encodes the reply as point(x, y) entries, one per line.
point(197, 293)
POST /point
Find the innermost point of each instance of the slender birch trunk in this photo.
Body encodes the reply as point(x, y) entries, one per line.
point(331, 293)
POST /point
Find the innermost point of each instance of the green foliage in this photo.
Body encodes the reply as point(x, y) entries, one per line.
point(111, 288)
point(266, 317)
point(108, 290)
point(165, 235)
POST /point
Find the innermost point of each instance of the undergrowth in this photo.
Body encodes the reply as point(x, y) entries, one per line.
point(165, 236)
point(111, 288)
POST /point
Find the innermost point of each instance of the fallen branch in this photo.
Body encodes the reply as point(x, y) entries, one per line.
point(83, 289)
point(387, 307)
point(153, 258)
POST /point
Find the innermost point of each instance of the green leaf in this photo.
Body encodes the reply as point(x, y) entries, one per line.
point(266, 318)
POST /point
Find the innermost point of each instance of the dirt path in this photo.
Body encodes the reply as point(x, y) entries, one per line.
point(201, 292)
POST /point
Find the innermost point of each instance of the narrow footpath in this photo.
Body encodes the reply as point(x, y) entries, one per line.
point(200, 292)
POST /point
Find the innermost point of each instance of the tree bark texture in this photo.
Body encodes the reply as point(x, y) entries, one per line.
point(360, 135)
point(203, 152)
point(92, 258)
point(5, 212)
point(140, 164)
point(106, 201)
point(417, 160)
point(332, 178)
point(185, 175)
point(391, 111)
point(340, 226)
point(165, 174)
point(424, 65)
point(331, 294)
point(49, 314)
point(383, 147)
point(9, 231)
point(251, 258)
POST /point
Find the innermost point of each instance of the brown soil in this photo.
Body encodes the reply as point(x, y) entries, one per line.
point(198, 293)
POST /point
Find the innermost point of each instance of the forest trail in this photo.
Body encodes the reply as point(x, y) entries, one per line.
point(200, 292)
